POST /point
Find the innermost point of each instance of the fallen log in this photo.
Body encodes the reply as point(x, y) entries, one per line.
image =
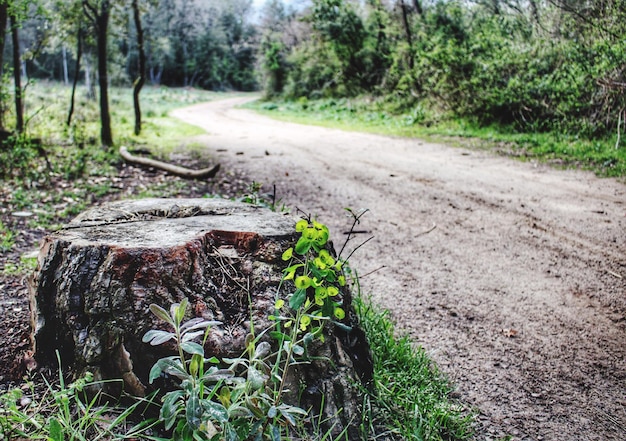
point(183, 172)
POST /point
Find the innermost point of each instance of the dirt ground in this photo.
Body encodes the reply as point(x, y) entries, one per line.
point(511, 275)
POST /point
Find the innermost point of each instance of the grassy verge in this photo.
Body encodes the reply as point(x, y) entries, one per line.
point(411, 400)
point(600, 156)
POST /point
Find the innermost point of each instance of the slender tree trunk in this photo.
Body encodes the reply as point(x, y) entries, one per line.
point(418, 7)
point(66, 79)
point(4, 15)
point(89, 84)
point(407, 31)
point(79, 54)
point(141, 79)
point(17, 77)
point(99, 15)
point(106, 137)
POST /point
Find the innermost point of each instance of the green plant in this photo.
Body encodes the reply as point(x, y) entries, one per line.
point(67, 412)
point(7, 238)
point(244, 398)
point(314, 271)
point(25, 265)
point(255, 197)
point(217, 403)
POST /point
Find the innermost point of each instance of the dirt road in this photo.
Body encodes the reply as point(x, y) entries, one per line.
point(511, 275)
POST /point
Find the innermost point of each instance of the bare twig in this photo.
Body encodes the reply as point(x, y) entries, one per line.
point(427, 231)
point(356, 219)
point(373, 271)
point(619, 276)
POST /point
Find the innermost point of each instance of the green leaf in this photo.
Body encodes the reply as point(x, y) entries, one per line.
point(288, 254)
point(275, 432)
point(155, 372)
point(291, 412)
point(215, 375)
point(272, 412)
point(55, 430)
point(187, 336)
point(302, 282)
point(279, 336)
point(198, 323)
point(192, 348)
point(215, 411)
point(156, 337)
point(170, 408)
point(298, 350)
point(297, 299)
point(161, 313)
point(173, 366)
point(301, 225)
point(303, 246)
point(180, 311)
point(193, 411)
point(262, 350)
point(256, 378)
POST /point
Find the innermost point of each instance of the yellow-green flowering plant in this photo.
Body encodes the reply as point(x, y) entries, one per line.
point(317, 277)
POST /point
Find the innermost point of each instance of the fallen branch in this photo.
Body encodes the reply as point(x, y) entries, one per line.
point(183, 172)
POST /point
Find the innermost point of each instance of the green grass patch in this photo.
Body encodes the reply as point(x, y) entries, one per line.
point(47, 106)
point(411, 397)
point(30, 181)
point(367, 115)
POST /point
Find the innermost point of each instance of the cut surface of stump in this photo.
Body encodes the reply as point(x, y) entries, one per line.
point(98, 275)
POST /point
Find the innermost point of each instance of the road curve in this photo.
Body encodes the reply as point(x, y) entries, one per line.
point(511, 275)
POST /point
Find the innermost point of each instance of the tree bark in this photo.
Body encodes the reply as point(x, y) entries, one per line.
point(66, 77)
point(141, 79)
point(79, 55)
point(407, 32)
point(100, 17)
point(97, 277)
point(4, 11)
point(17, 76)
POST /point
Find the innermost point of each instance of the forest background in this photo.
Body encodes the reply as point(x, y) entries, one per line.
point(512, 65)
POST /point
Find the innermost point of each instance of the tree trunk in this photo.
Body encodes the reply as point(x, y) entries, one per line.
point(106, 137)
point(99, 15)
point(17, 77)
point(66, 79)
point(418, 7)
point(4, 11)
point(97, 277)
point(89, 83)
point(183, 172)
point(407, 32)
point(79, 55)
point(141, 79)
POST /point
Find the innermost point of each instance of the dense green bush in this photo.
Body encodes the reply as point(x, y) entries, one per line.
point(557, 69)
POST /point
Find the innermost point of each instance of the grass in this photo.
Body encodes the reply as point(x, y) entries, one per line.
point(411, 400)
point(30, 182)
point(47, 107)
point(367, 115)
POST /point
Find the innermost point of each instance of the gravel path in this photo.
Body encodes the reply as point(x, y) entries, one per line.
point(512, 275)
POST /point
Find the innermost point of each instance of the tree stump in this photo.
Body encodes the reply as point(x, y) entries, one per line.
point(97, 277)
